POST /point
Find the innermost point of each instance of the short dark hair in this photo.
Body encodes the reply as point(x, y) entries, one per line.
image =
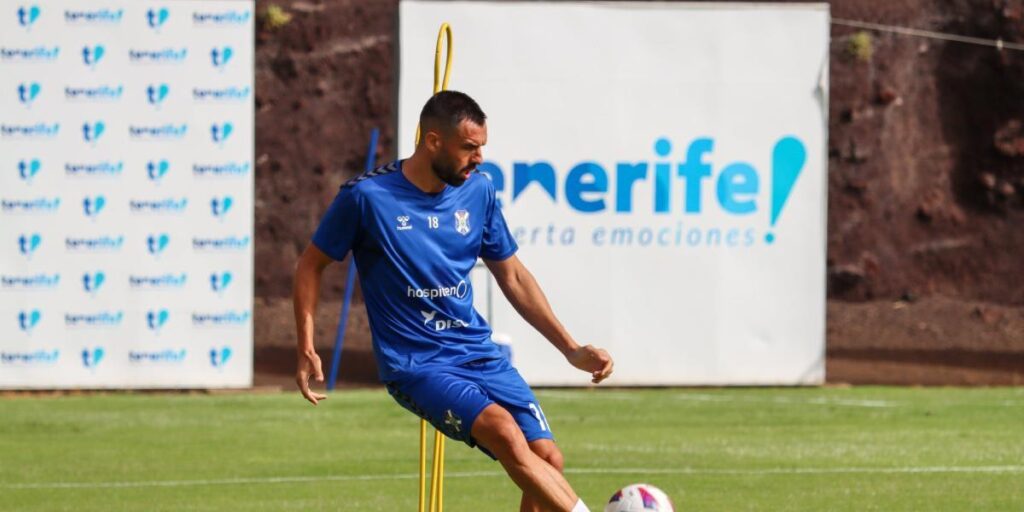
point(446, 109)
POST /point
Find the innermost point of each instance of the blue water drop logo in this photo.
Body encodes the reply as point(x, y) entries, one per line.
point(221, 132)
point(28, 244)
point(157, 93)
point(28, 320)
point(788, 159)
point(27, 169)
point(93, 205)
point(92, 282)
point(92, 132)
point(27, 93)
point(157, 243)
point(221, 56)
point(27, 16)
point(157, 17)
point(91, 55)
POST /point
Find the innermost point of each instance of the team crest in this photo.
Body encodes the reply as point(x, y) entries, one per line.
point(462, 222)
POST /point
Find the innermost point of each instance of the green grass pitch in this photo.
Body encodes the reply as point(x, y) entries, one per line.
point(855, 449)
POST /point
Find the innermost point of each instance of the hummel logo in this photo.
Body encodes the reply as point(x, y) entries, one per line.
point(427, 317)
point(403, 223)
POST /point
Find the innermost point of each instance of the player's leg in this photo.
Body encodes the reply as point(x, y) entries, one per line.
point(547, 450)
point(496, 430)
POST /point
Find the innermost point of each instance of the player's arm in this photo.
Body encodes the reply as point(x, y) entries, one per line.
point(306, 293)
point(522, 290)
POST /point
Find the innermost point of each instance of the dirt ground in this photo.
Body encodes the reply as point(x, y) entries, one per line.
point(926, 183)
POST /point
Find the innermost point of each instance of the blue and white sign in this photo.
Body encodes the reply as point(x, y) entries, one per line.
point(662, 167)
point(126, 193)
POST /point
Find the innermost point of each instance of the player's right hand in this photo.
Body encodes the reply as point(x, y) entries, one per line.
point(309, 365)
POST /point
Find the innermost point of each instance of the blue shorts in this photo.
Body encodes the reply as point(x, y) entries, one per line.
point(451, 397)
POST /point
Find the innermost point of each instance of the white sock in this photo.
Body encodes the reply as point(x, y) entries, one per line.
point(580, 507)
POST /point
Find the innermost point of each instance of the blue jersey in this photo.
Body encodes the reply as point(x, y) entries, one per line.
point(414, 252)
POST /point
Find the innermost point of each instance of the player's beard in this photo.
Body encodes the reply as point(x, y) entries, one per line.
point(446, 172)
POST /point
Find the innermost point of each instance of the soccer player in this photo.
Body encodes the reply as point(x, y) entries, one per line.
point(416, 228)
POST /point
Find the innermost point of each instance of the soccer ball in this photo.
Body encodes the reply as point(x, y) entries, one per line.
point(639, 498)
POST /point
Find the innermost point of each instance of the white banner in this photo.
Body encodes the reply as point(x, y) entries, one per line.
point(126, 194)
point(663, 168)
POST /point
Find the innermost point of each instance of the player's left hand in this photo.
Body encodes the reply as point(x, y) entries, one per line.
point(594, 360)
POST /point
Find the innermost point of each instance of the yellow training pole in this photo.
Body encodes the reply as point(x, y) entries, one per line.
point(423, 465)
point(441, 85)
point(437, 467)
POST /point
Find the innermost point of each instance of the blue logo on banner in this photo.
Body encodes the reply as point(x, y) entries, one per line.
point(91, 358)
point(737, 187)
point(32, 131)
point(28, 244)
point(92, 132)
point(221, 56)
point(156, 244)
point(228, 243)
point(221, 206)
point(230, 169)
point(221, 18)
point(27, 169)
point(164, 132)
point(156, 93)
point(225, 319)
point(101, 93)
point(27, 92)
point(155, 320)
point(91, 283)
point(30, 282)
point(28, 320)
point(158, 282)
point(104, 243)
point(163, 356)
point(31, 206)
point(101, 169)
point(220, 282)
point(93, 205)
point(91, 55)
point(218, 358)
point(27, 16)
point(157, 17)
point(169, 205)
point(36, 53)
point(222, 94)
point(220, 132)
point(100, 16)
point(35, 357)
point(165, 56)
point(101, 319)
point(156, 170)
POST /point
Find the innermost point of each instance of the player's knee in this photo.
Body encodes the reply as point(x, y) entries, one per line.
point(550, 453)
point(498, 432)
